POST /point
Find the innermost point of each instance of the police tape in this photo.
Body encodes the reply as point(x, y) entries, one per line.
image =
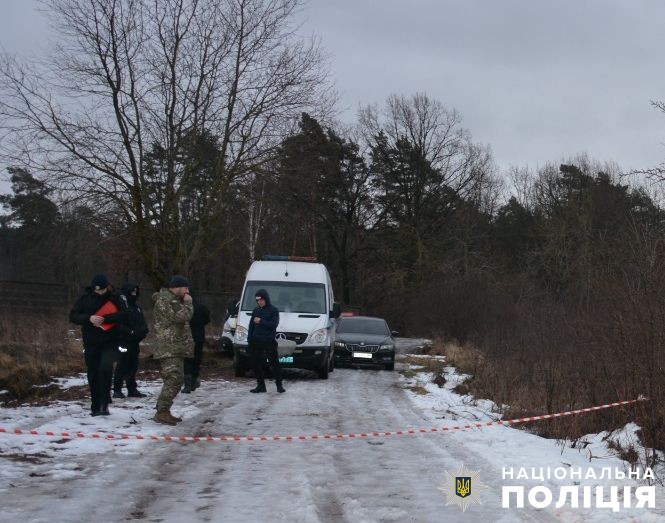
point(315, 437)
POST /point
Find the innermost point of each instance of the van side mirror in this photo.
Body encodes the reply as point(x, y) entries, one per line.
point(336, 311)
point(233, 307)
point(394, 333)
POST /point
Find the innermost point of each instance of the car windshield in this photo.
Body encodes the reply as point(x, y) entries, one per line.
point(288, 296)
point(362, 326)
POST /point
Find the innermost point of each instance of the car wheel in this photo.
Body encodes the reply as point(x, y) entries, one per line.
point(331, 366)
point(391, 365)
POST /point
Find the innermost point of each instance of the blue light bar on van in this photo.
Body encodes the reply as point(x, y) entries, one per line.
point(276, 257)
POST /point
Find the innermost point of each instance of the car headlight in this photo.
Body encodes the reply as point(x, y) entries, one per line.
point(340, 344)
point(319, 336)
point(241, 334)
point(388, 347)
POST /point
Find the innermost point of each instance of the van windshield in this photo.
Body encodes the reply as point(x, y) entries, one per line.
point(288, 296)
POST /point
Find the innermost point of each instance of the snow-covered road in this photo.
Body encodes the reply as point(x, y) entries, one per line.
point(379, 479)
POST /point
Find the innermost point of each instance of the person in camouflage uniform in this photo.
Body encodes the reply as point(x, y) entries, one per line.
point(172, 311)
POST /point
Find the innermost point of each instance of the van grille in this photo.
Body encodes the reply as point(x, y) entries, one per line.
point(298, 337)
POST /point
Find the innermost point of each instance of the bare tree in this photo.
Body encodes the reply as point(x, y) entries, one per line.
point(522, 183)
point(107, 117)
point(656, 173)
point(437, 134)
point(256, 209)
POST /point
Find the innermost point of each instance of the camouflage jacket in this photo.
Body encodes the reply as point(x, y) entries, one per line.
point(172, 315)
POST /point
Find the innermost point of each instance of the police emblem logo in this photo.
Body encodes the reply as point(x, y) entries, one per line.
point(463, 487)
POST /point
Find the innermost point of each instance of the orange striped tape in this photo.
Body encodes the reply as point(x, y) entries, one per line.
point(314, 437)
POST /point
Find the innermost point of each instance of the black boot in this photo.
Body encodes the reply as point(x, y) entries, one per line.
point(188, 384)
point(118, 394)
point(279, 386)
point(136, 394)
point(260, 386)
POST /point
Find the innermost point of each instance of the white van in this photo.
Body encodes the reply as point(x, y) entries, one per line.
point(301, 289)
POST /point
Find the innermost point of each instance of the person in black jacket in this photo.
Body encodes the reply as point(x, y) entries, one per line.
point(261, 339)
point(130, 335)
point(197, 324)
point(100, 338)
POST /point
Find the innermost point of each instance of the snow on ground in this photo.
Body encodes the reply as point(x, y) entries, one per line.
point(71, 381)
point(508, 447)
point(394, 478)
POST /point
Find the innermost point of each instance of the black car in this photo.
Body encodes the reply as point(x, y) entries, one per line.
point(364, 340)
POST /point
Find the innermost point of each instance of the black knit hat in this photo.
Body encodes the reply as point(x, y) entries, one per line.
point(178, 281)
point(99, 282)
point(262, 293)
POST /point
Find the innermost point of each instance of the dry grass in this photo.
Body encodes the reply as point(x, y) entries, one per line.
point(409, 373)
point(465, 358)
point(503, 381)
point(627, 453)
point(417, 389)
point(418, 365)
point(26, 378)
point(34, 349)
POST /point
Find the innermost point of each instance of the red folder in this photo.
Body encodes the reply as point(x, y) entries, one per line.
point(108, 308)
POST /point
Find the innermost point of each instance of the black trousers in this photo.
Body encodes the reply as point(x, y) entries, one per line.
point(99, 360)
point(193, 365)
point(127, 367)
point(260, 351)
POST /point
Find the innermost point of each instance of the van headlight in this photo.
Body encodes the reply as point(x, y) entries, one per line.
point(340, 344)
point(387, 347)
point(240, 335)
point(319, 336)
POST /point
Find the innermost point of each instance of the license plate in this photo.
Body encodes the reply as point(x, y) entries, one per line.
point(367, 355)
point(286, 359)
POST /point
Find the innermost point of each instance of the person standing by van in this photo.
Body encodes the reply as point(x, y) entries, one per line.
point(261, 340)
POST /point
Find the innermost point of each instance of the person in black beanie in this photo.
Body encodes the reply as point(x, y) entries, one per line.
point(197, 324)
point(261, 338)
point(99, 311)
point(129, 338)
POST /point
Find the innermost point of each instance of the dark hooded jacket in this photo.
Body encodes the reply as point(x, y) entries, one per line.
point(267, 328)
point(200, 319)
point(86, 306)
point(135, 329)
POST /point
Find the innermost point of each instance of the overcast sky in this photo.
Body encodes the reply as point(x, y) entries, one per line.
point(538, 80)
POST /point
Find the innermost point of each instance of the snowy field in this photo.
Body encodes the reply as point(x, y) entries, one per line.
point(389, 478)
